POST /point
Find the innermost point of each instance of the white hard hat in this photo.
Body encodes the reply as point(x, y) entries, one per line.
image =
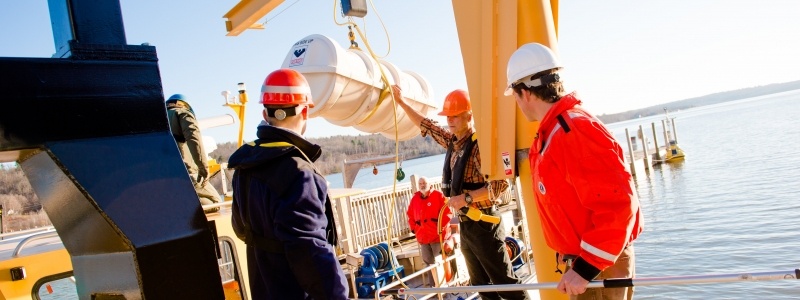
point(529, 59)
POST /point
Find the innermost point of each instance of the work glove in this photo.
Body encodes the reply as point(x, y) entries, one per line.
point(202, 176)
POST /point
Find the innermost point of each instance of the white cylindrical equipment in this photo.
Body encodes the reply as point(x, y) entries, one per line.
point(346, 87)
point(217, 121)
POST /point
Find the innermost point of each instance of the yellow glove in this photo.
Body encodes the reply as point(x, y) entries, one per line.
point(477, 215)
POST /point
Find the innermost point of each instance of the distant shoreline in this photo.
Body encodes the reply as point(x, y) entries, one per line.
point(701, 101)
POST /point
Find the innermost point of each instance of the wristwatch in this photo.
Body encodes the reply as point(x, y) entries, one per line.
point(467, 198)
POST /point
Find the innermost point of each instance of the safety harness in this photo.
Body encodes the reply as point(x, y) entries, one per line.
point(453, 179)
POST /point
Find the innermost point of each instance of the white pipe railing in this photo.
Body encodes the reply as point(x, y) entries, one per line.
point(422, 271)
point(35, 237)
point(610, 283)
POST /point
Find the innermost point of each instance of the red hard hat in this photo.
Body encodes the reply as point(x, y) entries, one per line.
point(286, 86)
point(455, 103)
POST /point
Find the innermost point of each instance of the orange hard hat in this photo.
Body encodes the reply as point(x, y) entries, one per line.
point(286, 86)
point(455, 103)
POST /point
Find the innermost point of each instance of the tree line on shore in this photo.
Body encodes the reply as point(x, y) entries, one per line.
point(21, 208)
point(336, 149)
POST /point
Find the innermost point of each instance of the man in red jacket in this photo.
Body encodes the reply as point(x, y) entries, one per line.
point(584, 193)
point(423, 217)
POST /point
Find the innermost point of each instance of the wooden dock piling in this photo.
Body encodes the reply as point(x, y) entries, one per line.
point(655, 142)
point(630, 152)
point(650, 156)
point(674, 131)
point(646, 157)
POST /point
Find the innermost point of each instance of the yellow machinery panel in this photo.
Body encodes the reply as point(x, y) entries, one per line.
point(37, 266)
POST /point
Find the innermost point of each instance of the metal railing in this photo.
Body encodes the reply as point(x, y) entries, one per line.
point(39, 236)
point(363, 219)
point(375, 213)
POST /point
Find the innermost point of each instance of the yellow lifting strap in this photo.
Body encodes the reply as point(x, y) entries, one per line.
point(272, 145)
point(477, 215)
point(285, 144)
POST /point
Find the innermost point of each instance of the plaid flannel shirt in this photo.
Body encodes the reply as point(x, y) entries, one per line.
point(473, 168)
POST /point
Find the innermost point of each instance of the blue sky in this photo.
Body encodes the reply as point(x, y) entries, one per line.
point(619, 55)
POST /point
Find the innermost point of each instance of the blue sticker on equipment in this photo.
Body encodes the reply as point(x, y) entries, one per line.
point(299, 53)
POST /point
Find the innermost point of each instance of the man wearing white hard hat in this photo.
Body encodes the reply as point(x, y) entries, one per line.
point(585, 196)
point(281, 207)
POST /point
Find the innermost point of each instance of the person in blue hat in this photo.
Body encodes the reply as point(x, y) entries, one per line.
point(186, 131)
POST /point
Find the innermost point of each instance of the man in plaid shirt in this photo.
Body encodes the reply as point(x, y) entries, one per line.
point(482, 243)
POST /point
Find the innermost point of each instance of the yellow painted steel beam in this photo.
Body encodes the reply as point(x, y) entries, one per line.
point(554, 9)
point(246, 13)
point(484, 39)
point(489, 32)
point(537, 23)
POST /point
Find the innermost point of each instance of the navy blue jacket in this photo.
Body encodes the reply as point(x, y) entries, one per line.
point(286, 203)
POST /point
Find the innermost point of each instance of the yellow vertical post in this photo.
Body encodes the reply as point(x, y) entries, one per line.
point(489, 32)
point(536, 23)
point(243, 100)
point(484, 37)
point(239, 108)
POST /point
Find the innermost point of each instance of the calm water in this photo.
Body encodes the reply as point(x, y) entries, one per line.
point(731, 207)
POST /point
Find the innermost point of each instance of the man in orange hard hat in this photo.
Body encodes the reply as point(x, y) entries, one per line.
point(281, 207)
point(589, 210)
point(482, 243)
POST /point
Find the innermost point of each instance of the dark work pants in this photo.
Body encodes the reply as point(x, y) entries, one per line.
point(483, 247)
